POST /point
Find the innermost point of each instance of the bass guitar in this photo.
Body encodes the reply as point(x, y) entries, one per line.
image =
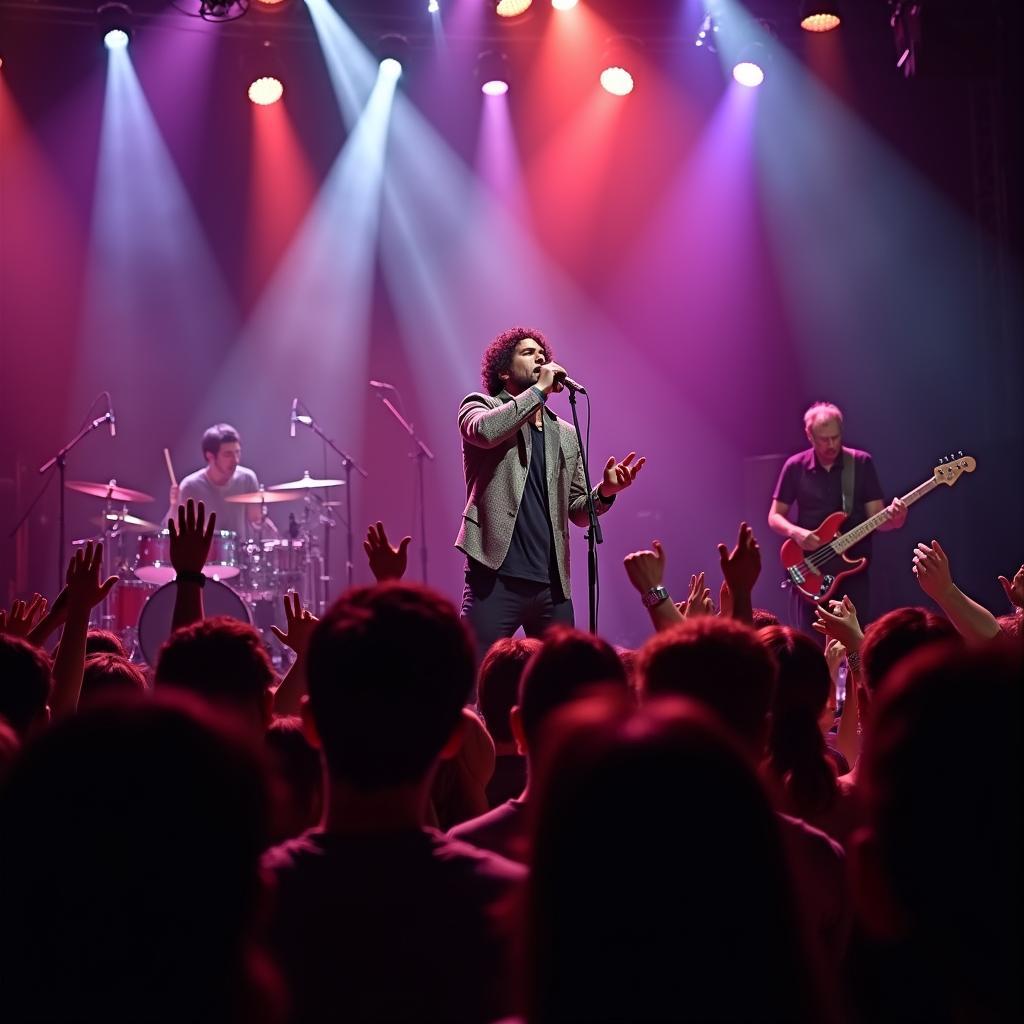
point(816, 575)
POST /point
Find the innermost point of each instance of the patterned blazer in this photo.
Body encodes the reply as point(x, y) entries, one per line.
point(496, 447)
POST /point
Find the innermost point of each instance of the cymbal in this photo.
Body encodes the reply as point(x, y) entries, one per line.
point(125, 521)
point(307, 483)
point(110, 491)
point(260, 498)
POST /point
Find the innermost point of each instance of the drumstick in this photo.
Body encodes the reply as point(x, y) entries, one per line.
point(170, 468)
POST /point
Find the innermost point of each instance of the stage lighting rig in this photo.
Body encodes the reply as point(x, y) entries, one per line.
point(820, 15)
point(213, 10)
point(706, 34)
point(393, 52)
point(905, 22)
point(115, 20)
point(492, 73)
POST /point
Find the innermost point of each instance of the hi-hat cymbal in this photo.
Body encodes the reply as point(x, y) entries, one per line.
point(110, 491)
point(126, 521)
point(307, 483)
point(260, 498)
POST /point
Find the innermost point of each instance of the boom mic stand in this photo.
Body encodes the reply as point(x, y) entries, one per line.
point(422, 452)
point(594, 535)
point(348, 464)
point(60, 461)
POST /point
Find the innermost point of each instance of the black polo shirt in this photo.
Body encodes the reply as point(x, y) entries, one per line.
point(818, 492)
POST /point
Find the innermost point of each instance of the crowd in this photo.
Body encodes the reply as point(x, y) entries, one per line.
point(396, 830)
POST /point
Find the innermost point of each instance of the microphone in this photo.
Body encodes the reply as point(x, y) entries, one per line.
point(110, 417)
point(381, 386)
point(568, 382)
point(295, 403)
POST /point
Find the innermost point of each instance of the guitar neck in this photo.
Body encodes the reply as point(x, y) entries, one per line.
point(846, 540)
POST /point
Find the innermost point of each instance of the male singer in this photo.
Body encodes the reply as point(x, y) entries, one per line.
point(524, 482)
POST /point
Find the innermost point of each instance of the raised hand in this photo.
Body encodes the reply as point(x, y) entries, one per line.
point(1014, 589)
point(300, 622)
point(619, 475)
point(725, 601)
point(840, 623)
point(191, 537)
point(742, 566)
point(646, 569)
point(84, 589)
point(931, 567)
point(698, 602)
point(834, 654)
point(24, 616)
point(386, 562)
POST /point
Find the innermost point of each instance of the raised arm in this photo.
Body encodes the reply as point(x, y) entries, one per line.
point(646, 571)
point(190, 543)
point(300, 621)
point(974, 623)
point(741, 568)
point(485, 427)
point(84, 592)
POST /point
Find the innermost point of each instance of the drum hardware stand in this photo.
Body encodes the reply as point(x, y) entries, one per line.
point(421, 453)
point(348, 464)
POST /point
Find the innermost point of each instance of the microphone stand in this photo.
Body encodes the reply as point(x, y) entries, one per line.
point(60, 461)
point(594, 535)
point(422, 452)
point(348, 464)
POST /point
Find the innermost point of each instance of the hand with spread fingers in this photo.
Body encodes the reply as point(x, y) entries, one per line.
point(386, 562)
point(698, 602)
point(1014, 589)
point(191, 537)
point(24, 616)
point(931, 568)
point(300, 622)
point(840, 622)
point(619, 475)
point(85, 590)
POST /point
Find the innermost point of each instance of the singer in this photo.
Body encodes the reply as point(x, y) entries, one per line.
point(524, 483)
point(222, 477)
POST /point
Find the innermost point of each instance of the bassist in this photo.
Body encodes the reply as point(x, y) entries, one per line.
point(827, 478)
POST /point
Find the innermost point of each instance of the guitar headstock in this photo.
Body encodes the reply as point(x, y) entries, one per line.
point(951, 466)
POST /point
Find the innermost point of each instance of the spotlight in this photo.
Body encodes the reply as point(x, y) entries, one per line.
point(433, 7)
point(615, 62)
point(564, 5)
point(618, 81)
point(492, 72)
point(511, 8)
point(393, 53)
point(271, 4)
point(749, 69)
point(265, 91)
point(115, 25)
point(819, 15)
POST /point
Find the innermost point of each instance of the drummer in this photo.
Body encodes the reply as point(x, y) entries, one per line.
point(223, 477)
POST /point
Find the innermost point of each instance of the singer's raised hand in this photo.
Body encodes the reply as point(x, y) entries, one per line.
point(619, 475)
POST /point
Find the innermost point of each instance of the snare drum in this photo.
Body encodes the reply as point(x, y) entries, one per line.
point(157, 616)
point(153, 561)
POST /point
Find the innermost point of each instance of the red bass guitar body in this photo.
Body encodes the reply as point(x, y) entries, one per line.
point(817, 575)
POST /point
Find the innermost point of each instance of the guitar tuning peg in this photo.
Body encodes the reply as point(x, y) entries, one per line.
point(960, 454)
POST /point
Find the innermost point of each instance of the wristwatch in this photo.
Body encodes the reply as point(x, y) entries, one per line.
point(654, 596)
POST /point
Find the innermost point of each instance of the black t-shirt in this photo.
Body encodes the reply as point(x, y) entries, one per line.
point(530, 551)
point(406, 926)
point(818, 492)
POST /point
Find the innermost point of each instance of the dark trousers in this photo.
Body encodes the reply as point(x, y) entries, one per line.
point(496, 606)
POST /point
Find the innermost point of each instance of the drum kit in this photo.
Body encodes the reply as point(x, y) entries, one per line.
point(246, 577)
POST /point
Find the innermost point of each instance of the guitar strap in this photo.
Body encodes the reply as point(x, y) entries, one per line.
point(848, 468)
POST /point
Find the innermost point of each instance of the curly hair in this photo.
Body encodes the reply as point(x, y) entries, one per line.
point(498, 356)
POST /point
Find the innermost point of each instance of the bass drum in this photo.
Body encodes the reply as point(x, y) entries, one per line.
point(158, 614)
